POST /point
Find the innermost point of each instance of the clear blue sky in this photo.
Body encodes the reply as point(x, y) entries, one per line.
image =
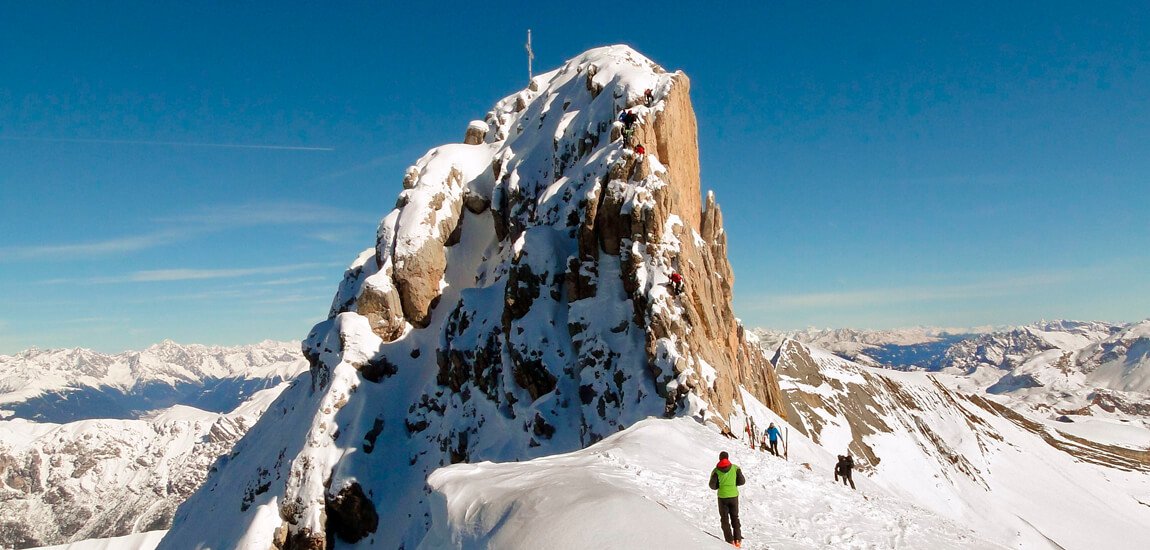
point(878, 164)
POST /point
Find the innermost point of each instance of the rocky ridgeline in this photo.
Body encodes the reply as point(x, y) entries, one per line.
point(515, 304)
point(1007, 350)
point(957, 453)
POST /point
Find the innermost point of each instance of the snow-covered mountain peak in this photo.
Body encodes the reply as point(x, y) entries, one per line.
point(518, 302)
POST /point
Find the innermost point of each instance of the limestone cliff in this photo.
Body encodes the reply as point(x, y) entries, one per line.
point(515, 304)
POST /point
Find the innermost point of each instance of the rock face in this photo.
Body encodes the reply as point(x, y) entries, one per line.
point(516, 304)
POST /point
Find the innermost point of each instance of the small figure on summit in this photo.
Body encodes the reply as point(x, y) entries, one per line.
point(726, 478)
point(773, 437)
point(843, 469)
point(676, 281)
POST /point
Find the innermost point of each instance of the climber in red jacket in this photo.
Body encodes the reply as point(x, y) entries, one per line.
point(676, 283)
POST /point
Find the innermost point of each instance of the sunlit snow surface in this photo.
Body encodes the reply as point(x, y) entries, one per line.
point(135, 541)
point(646, 487)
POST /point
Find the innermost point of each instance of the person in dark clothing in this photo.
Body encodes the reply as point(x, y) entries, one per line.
point(649, 96)
point(843, 469)
point(628, 118)
point(773, 437)
point(726, 478)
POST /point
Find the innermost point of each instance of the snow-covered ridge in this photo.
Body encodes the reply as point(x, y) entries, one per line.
point(646, 488)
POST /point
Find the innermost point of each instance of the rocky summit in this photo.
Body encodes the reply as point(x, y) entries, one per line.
point(518, 302)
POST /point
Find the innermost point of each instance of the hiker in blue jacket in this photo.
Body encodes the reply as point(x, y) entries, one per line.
point(773, 436)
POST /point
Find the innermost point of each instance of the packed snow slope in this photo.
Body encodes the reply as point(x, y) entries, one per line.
point(514, 305)
point(646, 487)
point(65, 385)
point(969, 457)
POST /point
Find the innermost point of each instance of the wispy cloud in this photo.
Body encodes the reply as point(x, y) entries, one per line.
point(294, 299)
point(190, 274)
point(169, 143)
point(164, 275)
point(269, 213)
point(1004, 286)
point(109, 247)
point(290, 281)
point(408, 153)
point(203, 221)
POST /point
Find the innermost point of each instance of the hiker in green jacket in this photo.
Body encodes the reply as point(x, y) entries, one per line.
point(726, 478)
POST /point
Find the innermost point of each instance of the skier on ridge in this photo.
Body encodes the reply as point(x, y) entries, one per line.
point(726, 478)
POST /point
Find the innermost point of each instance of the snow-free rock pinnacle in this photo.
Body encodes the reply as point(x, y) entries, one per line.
point(515, 304)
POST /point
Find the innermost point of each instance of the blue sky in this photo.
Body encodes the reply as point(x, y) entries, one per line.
point(203, 172)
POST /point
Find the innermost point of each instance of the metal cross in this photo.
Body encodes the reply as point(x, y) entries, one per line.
point(530, 54)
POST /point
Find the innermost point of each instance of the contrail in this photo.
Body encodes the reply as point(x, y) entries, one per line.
point(176, 143)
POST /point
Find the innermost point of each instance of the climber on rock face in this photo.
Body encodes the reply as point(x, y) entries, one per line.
point(628, 118)
point(676, 283)
point(649, 96)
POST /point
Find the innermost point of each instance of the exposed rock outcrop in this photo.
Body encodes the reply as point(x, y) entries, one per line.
point(516, 304)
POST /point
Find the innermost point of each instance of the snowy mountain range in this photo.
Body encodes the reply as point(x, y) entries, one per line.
point(66, 385)
point(943, 464)
point(509, 366)
point(1051, 368)
point(98, 445)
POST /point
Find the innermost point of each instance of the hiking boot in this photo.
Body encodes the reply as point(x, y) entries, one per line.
point(738, 544)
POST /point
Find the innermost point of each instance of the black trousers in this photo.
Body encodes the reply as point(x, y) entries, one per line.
point(846, 479)
point(729, 515)
point(774, 448)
